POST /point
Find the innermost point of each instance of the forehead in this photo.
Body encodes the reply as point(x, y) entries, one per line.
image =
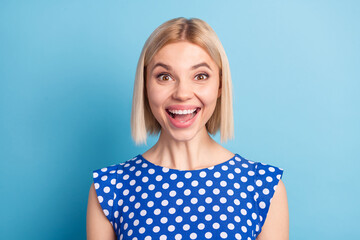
point(182, 54)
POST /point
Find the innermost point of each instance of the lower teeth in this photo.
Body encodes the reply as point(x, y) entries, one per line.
point(193, 114)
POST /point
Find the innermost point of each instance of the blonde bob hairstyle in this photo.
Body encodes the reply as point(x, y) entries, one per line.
point(198, 32)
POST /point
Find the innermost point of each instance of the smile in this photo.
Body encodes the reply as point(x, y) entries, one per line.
point(182, 118)
point(183, 114)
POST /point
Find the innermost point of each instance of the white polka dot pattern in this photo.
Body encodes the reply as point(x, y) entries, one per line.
point(226, 201)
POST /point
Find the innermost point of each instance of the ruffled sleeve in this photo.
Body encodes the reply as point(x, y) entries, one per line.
point(266, 181)
point(104, 183)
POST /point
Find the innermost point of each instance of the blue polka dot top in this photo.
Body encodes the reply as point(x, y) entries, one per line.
point(227, 201)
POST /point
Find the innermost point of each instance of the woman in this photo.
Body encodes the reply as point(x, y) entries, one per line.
point(186, 186)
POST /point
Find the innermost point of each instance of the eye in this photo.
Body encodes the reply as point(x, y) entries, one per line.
point(164, 77)
point(201, 76)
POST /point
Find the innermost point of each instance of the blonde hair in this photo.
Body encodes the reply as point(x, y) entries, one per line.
point(197, 32)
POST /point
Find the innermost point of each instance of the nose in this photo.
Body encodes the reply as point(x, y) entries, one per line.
point(183, 91)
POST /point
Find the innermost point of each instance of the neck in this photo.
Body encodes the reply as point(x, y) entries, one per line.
point(199, 152)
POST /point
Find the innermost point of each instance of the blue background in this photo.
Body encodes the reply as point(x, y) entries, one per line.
point(66, 80)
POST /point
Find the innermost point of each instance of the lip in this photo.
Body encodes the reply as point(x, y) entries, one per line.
point(179, 124)
point(181, 107)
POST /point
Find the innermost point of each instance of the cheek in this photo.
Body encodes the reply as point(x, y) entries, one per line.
point(208, 95)
point(156, 99)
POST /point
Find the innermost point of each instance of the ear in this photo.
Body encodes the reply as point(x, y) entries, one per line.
point(220, 84)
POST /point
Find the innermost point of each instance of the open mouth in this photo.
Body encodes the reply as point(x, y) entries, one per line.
point(183, 115)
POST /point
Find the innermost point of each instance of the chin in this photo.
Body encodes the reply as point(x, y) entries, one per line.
point(182, 138)
point(182, 135)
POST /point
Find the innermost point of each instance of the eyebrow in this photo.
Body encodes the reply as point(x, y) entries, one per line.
point(167, 67)
point(203, 64)
point(159, 64)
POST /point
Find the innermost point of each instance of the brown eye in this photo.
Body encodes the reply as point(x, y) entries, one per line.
point(164, 77)
point(201, 76)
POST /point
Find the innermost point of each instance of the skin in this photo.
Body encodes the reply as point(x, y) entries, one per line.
point(184, 148)
point(172, 79)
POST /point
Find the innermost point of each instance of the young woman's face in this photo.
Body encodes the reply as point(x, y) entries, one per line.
point(182, 83)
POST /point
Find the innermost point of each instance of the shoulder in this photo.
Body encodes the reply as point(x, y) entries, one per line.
point(270, 193)
point(267, 170)
point(266, 188)
point(267, 179)
point(276, 225)
point(260, 170)
point(105, 180)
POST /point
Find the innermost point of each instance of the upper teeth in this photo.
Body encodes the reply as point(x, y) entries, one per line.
point(182, 111)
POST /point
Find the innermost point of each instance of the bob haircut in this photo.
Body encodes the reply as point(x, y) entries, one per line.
point(198, 32)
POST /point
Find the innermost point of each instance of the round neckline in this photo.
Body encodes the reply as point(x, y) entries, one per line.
point(193, 170)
